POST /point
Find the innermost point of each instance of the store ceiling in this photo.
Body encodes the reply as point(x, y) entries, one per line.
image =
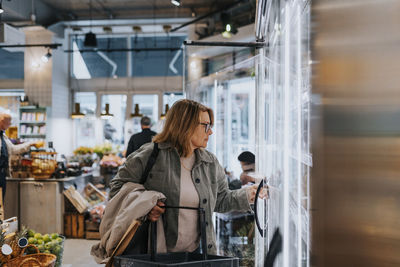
point(133, 9)
point(51, 11)
point(22, 13)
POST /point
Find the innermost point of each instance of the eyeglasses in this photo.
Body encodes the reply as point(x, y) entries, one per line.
point(207, 126)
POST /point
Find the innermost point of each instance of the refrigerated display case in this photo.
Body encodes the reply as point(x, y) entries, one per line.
point(231, 94)
point(283, 139)
point(268, 113)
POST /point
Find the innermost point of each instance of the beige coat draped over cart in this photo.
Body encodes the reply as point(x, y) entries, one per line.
point(131, 203)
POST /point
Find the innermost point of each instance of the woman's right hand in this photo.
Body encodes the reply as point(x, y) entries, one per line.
point(156, 211)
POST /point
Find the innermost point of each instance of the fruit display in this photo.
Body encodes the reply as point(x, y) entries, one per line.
point(18, 242)
point(83, 150)
point(20, 166)
point(15, 250)
point(4, 257)
point(111, 160)
point(48, 243)
point(103, 149)
point(43, 164)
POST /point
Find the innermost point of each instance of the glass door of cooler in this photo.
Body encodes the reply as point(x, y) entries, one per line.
point(231, 94)
point(282, 137)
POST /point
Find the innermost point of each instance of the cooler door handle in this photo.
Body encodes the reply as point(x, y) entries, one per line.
point(255, 208)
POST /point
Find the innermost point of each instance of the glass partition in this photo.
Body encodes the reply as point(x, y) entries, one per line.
point(148, 106)
point(12, 63)
point(94, 64)
point(157, 58)
point(113, 128)
point(284, 155)
point(267, 114)
point(171, 98)
point(231, 94)
point(85, 134)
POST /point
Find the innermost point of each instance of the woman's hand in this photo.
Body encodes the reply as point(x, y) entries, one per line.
point(251, 193)
point(38, 144)
point(156, 211)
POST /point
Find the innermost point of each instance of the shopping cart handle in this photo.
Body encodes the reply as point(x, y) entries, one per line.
point(153, 240)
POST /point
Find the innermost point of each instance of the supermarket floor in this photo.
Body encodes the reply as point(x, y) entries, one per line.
point(77, 253)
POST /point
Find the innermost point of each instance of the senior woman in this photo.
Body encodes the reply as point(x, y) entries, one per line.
point(187, 174)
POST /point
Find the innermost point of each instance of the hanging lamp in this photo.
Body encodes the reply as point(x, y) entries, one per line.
point(90, 37)
point(163, 115)
point(77, 114)
point(1, 7)
point(136, 113)
point(106, 115)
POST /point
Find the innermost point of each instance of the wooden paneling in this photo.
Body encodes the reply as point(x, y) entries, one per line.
point(41, 206)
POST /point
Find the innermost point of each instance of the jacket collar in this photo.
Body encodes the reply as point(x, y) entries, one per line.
point(201, 154)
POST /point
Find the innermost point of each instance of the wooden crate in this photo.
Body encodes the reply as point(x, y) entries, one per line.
point(74, 225)
point(79, 202)
point(92, 235)
point(92, 230)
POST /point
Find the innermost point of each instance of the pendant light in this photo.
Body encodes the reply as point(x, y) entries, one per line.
point(1, 6)
point(176, 2)
point(90, 37)
point(90, 40)
point(165, 113)
point(136, 113)
point(77, 114)
point(107, 115)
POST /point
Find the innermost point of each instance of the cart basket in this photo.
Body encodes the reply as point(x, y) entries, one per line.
point(177, 258)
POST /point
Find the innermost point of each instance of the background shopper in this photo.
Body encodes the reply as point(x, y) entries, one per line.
point(7, 148)
point(145, 136)
point(247, 162)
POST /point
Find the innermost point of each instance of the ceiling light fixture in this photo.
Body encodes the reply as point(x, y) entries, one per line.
point(1, 6)
point(229, 30)
point(165, 113)
point(46, 58)
point(137, 29)
point(228, 25)
point(77, 114)
point(90, 40)
point(107, 115)
point(176, 2)
point(90, 37)
point(107, 29)
point(167, 28)
point(136, 113)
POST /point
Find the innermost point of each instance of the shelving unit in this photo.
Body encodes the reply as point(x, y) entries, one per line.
point(33, 123)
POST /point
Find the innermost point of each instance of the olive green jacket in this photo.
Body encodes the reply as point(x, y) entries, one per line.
point(208, 177)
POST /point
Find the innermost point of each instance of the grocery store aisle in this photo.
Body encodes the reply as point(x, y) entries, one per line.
point(77, 253)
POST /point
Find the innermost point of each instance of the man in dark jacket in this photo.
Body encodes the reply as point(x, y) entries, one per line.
point(145, 136)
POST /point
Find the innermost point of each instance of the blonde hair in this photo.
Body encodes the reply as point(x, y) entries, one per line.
point(5, 116)
point(180, 124)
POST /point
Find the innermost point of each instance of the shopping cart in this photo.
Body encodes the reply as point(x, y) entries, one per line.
point(177, 258)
